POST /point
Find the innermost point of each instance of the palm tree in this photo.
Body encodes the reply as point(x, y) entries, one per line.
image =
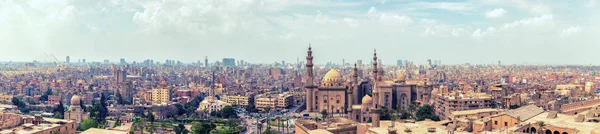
point(278, 119)
point(343, 111)
point(542, 126)
point(332, 111)
point(205, 112)
point(257, 122)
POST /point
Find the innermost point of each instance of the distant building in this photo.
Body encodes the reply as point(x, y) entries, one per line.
point(122, 61)
point(236, 100)
point(83, 60)
point(161, 96)
point(206, 62)
point(448, 102)
point(106, 61)
point(229, 62)
point(68, 60)
point(399, 62)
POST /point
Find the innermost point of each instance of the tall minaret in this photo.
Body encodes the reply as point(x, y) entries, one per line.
point(309, 80)
point(354, 92)
point(375, 78)
point(375, 106)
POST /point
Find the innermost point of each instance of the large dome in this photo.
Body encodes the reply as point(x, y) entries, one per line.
point(367, 99)
point(332, 76)
point(75, 100)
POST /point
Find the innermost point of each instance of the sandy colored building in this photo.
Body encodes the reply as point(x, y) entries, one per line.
point(236, 100)
point(7, 98)
point(38, 125)
point(161, 96)
point(446, 103)
point(475, 113)
point(265, 102)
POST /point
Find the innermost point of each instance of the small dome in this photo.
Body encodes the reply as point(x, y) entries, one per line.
point(75, 100)
point(367, 99)
point(332, 76)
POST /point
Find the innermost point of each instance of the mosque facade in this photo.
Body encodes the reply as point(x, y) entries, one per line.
point(360, 99)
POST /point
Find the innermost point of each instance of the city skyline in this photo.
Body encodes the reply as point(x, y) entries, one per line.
point(455, 32)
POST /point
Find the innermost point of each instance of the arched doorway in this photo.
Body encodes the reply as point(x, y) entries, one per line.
point(403, 101)
point(565, 133)
point(533, 130)
point(556, 132)
point(548, 132)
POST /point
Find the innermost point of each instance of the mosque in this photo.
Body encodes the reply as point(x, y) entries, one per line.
point(358, 102)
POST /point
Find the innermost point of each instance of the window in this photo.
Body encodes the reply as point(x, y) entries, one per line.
point(495, 122)
point(505, 123)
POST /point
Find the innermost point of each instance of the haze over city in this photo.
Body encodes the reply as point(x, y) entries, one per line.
point(265, 31)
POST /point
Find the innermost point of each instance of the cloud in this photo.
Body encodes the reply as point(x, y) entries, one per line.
point(451, 6)
point(395, 19)
point(498, 12)
point(590, 4)
point(570, 31)
point(531, 21)
point(372, 10)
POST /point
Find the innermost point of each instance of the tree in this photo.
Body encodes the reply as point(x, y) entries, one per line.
point(268, 109)
point(426, 112)
point(59, 110)
point(100, 110)
point(228, 112)
point(323, 114)
point(251, 108)
point(119, 98)
point(45, 96)
point(20, 104)
point(87, 124)
point(385, 114)
point(117, 123)
point(150, 117)
point(180, 129)
point(542, 125)
point(180, 109)
point(514, 106)
point(203, 128)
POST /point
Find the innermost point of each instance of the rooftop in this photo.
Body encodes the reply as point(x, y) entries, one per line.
point(474, 111)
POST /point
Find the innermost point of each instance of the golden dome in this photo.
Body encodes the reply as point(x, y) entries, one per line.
point(367, 99)
point(332, 76)
point(75, 100)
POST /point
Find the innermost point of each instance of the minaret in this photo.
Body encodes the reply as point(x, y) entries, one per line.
point(375, 78)
point(355, 91)
point(309, 80)
point(212, 85)
point(375, 106)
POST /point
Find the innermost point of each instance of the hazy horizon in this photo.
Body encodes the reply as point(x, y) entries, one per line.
point(268, 31)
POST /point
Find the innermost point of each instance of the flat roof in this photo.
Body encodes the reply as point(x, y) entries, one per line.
point(420, 127)
point(474, 111)
point(565, 121)
point(101, 131)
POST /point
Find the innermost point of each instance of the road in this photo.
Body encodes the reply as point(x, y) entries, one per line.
point(252, 129)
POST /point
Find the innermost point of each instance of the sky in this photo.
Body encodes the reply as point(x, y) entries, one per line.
point(269, 31)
